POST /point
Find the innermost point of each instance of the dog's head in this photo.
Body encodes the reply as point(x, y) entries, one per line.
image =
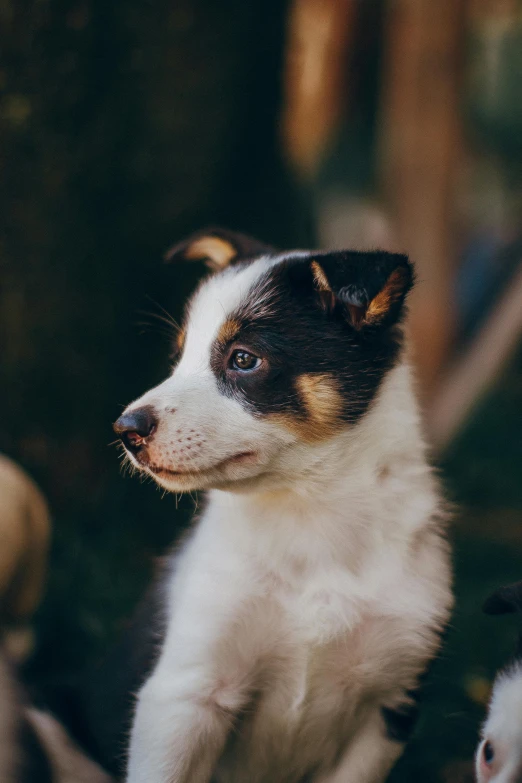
point(278, 352)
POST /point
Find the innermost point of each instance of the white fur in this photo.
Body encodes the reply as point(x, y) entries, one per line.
point(503, 730)
point(310, 593)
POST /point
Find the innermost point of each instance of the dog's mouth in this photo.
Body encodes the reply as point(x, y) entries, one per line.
point(242, 458)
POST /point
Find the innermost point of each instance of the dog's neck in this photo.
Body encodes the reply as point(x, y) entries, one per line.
point(356, 491)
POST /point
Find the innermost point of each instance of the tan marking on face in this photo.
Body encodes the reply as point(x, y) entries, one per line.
point(217, 252)
point(323, 405)
point(322, 400)
point(180, 339)
point(387, 296)
point(227, 331)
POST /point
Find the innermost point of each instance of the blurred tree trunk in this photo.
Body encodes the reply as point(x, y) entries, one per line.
point(420, 139)
point(124, 125)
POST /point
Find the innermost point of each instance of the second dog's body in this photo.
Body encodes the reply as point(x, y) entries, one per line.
point(309, 600)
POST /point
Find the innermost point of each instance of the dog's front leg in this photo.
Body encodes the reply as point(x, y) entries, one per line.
point(179, 732)
point(183, 716)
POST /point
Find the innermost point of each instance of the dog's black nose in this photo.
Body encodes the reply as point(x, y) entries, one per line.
point(134, 426)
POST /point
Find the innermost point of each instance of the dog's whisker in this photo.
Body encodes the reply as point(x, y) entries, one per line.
point(166, 315)
point(164, 327)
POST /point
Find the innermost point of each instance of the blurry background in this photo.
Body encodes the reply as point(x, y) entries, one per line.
point(126, 124)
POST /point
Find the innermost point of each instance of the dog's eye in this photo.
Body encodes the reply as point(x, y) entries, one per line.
point(244, 361)
point(489, 752)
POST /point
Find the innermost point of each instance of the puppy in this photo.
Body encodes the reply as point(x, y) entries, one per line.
point(499, 754)
point(307, 603)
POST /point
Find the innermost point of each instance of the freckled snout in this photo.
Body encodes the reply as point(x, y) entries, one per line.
point(134, 426)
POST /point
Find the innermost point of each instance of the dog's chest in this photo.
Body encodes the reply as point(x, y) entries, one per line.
point(332, 651)
point(334, 623)
point(319, 607)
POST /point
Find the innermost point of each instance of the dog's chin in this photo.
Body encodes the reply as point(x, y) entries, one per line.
point(238, 469)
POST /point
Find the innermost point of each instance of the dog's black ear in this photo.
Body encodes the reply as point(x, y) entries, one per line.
point(505, 600)
point(218, 247)
point(371, 286)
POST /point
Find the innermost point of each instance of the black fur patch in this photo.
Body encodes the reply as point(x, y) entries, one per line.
point(285, 322)
point(400, 721)
point(505, 600)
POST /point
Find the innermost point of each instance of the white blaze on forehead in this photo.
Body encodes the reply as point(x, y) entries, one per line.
point(214, 304)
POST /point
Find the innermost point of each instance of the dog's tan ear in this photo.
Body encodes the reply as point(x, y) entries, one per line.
point(218, 248)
